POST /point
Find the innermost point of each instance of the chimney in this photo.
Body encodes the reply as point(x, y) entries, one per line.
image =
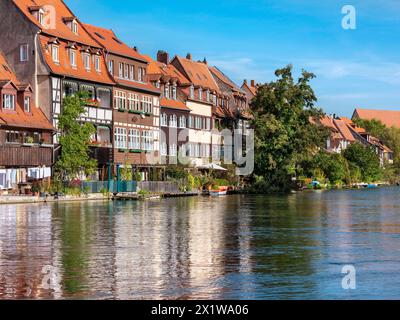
point(135, 49)
point(245, 81)
point(205, 61)
point(189, 56)
point(253, 83)
point(163, 56)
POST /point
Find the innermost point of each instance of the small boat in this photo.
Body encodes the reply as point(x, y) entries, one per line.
point(372, 185)
point(221, 191)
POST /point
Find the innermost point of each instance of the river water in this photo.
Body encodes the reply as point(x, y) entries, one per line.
point(233, 247)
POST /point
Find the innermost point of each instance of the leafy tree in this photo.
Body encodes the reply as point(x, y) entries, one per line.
point(374, 127)
point(366, 159)
point(75, 138)
point(284, 135)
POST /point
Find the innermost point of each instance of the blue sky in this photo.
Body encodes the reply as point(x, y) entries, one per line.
point(250, 39)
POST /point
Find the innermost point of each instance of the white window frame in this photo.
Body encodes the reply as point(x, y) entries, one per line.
point(120, 138)
point(173, 121)
point(164, 149)
point(86, 61)
point(182, 122)
point(121, 70)
point(191, 93)
point(74, 27)
point(8, 102)
point(126, 71)
point(134, 102)
point(166, 91)
point(174, 92)
point(97, 63)
point(200, 94)
point(27, 104)
point(23, 52)
point(147, 104)
point(72, 57)
point(111, 66)
point(164, 120)
point(147, 140)
point(134, 139)
point(120, 100)
point(55, 53)
point(173, 150)
point(132, 72)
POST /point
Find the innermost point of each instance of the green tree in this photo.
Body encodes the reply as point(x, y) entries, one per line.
point(284, 135)
point(366, 159)
point(75, 139)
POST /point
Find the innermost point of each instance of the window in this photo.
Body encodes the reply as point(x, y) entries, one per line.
point(72, 57)
point(70, 88)
point(191, 122)
point(23, 52)
point(208, 124)
point(41, 17)
point(132, 73)
point(126, 73)
point(147, 140)
point(27, 104)
point(8, 102)
point(86, 61)
point(89, 89)
point(141, 74)
point(134, 139)
point(200, 94)
point(54, 53)
point(173, 121)
point(120, 100)
point(121, 70)
point(158, 84)
point(120, 138)
point(164, 149)
point(208, 95)
point(111, 66)
point(174, 95)
point(164, 120)
point(14, 137)
point(192, 92)
point(104, 97)
point(173, 150)
point(166, 91)
point(74, 27)
point(97, 63)
point(198, 123)
point(182, 122)
point(133, 102)
point(147, 103)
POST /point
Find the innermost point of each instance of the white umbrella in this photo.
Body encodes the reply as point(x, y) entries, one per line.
point(212, 166)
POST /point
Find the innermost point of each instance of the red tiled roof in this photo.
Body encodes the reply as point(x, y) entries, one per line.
point(19, 118)
point(161, 69)
point(220, 75)
point(64, 67)
point(108, 39)
point(252, 89)
point(344, 130)
point(173, 104)
point(58, 11)
point(198, 73)
point(388, 117)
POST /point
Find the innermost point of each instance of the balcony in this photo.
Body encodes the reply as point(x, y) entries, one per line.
point(25, 156)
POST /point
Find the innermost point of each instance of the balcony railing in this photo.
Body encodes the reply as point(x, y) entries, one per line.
point(20, 155)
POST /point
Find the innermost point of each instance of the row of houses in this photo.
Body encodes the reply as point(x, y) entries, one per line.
point(344, 132)
point(146, 111)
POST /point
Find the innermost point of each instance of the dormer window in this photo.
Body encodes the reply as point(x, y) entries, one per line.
point(72, 57)
point(55, 53)
point(166, 91)
point(208, 95)
point(191, 92)
point(86, 61)
point(74, 27)
point(200, 94)
point(40, 16)
point(27, 104)
point(97, 63)
point(174, 95)
point(8, 102)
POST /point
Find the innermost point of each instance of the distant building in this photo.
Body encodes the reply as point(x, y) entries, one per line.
point(250, 89)
point(389, 118)
point(26, 150)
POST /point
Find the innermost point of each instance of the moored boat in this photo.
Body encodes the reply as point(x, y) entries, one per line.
point(221, 191)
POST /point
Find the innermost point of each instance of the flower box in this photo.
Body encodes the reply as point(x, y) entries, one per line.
point(135, 111)
point(135, 151)
point(121, 110)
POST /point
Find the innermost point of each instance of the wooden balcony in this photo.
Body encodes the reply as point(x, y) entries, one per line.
point(25, 156)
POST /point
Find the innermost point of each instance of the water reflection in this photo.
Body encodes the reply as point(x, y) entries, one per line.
point(239, 247)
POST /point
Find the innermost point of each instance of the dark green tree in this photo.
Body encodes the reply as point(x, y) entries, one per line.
point(284, 135)
point(366, 159)
point(75, 138)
